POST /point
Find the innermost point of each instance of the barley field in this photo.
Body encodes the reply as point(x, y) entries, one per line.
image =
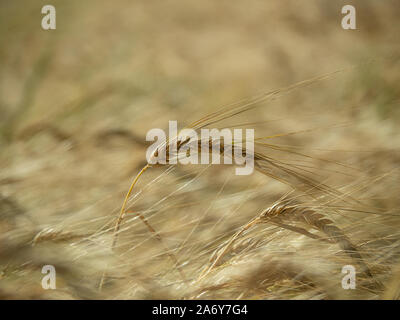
point(76, 104)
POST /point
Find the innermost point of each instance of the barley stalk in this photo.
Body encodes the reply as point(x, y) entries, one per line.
point(278, 213)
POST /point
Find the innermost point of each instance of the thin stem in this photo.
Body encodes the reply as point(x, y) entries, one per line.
point(122, 212)
point(228, 246)
point(121, 217)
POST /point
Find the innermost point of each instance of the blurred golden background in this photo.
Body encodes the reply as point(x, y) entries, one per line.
point(76, 103)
